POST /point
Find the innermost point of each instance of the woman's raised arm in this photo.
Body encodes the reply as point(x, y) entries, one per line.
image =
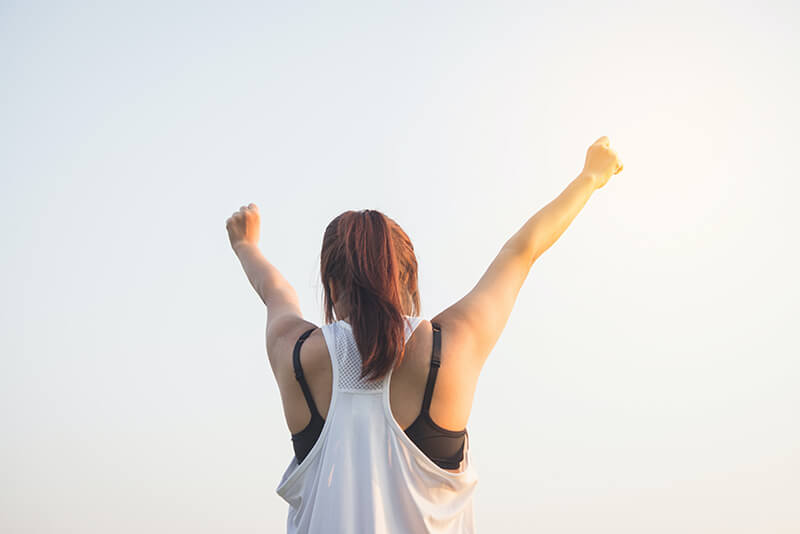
point(478, 319)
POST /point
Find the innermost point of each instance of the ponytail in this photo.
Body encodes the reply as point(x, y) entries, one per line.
point(371, 262)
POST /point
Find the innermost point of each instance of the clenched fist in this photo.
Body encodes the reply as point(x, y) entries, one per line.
point(244, 226)
point(601, 162)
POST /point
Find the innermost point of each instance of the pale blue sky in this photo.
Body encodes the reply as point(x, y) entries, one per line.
point(647, 378)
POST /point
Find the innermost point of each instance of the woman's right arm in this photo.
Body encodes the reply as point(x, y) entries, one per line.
point(546, 226)
point(478, 319)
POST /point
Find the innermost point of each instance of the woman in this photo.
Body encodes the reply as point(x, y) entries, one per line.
point(377, 399)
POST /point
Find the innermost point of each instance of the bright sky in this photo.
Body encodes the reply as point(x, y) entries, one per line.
point(647, 379)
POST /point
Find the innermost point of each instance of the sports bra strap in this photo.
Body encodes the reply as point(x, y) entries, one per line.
point(298, 374)
point(434, 370)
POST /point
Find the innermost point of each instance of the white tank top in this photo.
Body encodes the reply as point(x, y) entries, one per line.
point(364, 474)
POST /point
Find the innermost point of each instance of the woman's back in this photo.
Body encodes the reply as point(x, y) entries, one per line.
point(364, 473)
point(452, 396)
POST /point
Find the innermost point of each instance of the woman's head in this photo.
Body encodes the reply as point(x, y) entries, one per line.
point(369, 274)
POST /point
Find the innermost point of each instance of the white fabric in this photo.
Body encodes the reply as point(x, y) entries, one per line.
point(364, 474)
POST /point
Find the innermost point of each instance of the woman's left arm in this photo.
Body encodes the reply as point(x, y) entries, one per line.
point(274, 290)
point(283, 306)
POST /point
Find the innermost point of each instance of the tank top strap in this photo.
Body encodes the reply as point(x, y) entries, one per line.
point(412, 322)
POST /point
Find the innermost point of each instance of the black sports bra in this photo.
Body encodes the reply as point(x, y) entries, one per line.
point(444, 447)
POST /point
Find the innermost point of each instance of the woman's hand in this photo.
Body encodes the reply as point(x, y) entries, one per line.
point(601, 162)
point(244, 226)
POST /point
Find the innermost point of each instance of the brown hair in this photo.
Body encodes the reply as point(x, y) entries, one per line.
point(370, 261)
